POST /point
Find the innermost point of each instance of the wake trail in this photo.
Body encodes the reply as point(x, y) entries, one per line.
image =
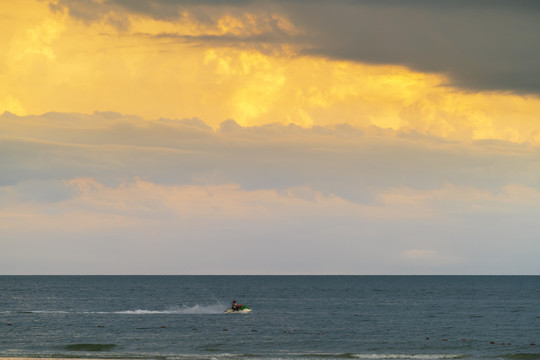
point(196, 309)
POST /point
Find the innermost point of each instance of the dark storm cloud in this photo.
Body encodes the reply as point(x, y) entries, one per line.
point(478, 44)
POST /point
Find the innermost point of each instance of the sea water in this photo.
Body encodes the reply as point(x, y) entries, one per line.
point(293, 317)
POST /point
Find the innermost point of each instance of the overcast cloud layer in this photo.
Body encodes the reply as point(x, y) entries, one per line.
point(170, 196)
point(479, 45)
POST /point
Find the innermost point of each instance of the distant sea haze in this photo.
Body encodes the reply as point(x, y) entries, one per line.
point(293, 317)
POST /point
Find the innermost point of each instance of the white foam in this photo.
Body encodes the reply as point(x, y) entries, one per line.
point(186, 310)
point(407, 356)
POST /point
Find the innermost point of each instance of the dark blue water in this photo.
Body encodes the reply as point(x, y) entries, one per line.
point(294, 317)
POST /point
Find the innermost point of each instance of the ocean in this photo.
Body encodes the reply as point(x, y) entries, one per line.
point(293, 317)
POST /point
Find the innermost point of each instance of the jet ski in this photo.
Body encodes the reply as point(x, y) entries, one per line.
point(242, 309)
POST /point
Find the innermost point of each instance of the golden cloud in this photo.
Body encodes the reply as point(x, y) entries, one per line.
point(180, 68)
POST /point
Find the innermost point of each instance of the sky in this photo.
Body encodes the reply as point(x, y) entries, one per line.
point(269, 137)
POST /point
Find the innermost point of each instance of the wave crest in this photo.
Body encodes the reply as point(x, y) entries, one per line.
point(408, 356)
point(90, 347)
point(390, 356)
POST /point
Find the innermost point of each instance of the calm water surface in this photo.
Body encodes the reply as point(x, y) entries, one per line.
point(294, 317)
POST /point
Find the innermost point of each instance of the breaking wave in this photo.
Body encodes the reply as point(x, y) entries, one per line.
point(90, 347)
point(409, 356)
point(388, 356)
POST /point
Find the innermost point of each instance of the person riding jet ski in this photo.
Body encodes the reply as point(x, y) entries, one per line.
point(237, 307)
